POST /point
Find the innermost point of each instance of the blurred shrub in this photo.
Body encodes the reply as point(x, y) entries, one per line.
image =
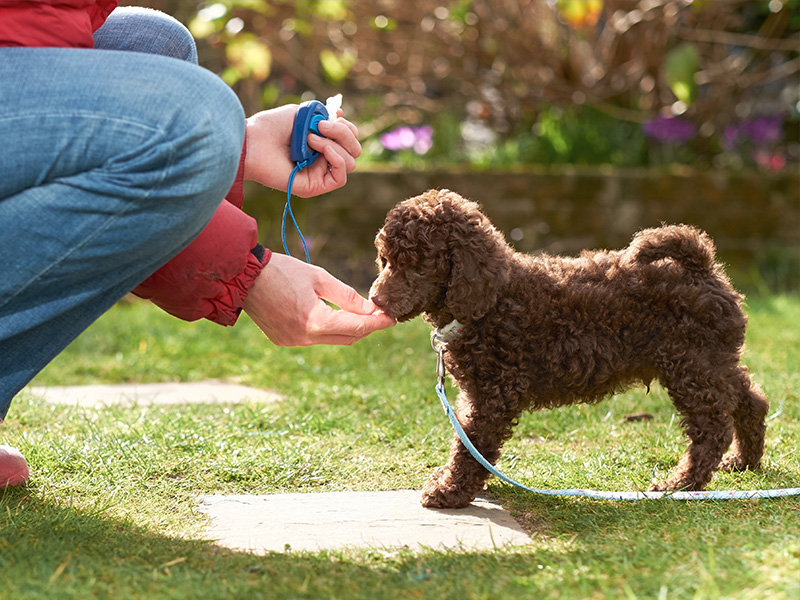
point(586, 81)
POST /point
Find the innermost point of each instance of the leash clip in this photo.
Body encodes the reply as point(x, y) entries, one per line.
point(439, 346)
point(440, 370)
point(439, 340)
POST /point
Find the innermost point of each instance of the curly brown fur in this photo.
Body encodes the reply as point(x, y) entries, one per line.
point(545, 331)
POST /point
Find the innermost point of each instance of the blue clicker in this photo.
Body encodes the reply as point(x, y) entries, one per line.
point(307, 119)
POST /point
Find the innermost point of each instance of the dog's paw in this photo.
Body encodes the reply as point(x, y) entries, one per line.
point(438, 498)
point(675, 484)
point(732, 461)
point(440, 492)
point(658, 486)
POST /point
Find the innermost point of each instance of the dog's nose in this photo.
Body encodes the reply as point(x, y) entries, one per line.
point(378, 300)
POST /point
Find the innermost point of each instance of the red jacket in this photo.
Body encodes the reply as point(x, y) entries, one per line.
point(52, 23)
point(211, 277)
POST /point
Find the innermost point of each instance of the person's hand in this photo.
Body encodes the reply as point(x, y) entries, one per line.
point(286, 302)
point(267, 160)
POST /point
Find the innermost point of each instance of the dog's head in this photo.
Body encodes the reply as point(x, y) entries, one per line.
point(439, 255)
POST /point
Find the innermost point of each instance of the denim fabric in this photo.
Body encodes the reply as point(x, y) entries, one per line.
point(134, 29)
point(110, 163)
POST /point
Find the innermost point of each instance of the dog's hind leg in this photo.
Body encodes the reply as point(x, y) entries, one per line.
point(709, 436)
point(749, 426)
point(456, 484)
point(706, 401)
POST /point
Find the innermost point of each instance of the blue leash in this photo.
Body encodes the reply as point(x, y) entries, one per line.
point(440, 346)
point(288, 209)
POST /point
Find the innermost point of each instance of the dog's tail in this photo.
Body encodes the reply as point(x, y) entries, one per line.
point(688, 246)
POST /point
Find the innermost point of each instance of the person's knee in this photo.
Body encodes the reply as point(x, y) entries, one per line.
point(203, 129)
point(183, 131)
point(219, 121)
point(138, 29)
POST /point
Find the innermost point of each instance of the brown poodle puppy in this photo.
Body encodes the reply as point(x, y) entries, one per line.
point(546, 331)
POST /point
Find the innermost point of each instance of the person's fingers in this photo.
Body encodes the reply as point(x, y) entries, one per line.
point(328, 173)
point(342, 295)
point(327, 321)
point(343, 134)
point(329, 147)
point(352, 128)
point(326, 325)
point(340, 165)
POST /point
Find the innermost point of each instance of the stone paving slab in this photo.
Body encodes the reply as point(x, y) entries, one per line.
point(145, 394)
point(331, 520)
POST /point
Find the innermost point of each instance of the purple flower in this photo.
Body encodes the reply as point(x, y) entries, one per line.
point(763, 130)
point(398, 139)
point(424, 139)
point(669, 129)
point(420, 139)
point(731, 136)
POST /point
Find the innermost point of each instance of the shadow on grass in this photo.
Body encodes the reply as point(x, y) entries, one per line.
point(51, 549)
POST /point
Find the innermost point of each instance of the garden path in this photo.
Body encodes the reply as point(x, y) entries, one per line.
point(332, 520)
point(146, 394)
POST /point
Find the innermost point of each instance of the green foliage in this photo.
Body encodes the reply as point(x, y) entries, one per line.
point(336, 65)
point(681, 65)
point(248, 57)
point(557, 136)
point(329, 10)
point(584, 136)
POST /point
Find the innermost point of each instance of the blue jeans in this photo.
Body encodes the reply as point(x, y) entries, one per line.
point(111, 162)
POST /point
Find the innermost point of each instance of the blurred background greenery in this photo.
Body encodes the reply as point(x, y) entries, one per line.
point(443, 88)
point(499, 82)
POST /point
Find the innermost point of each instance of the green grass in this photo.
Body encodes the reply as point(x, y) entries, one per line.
point(111, 511)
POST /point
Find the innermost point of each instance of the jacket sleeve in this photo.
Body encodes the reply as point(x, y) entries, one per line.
point(52, 23)
point(211, 277)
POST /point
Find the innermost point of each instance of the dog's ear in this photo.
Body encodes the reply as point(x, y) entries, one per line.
point(479, 264)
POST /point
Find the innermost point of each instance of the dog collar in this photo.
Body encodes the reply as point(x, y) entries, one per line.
point(446, 334)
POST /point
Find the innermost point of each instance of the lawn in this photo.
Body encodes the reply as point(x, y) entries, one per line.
point(111, 508)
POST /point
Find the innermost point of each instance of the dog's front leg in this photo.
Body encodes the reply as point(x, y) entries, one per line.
point(456, 484)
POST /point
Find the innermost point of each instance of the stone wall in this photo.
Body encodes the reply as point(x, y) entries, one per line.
point(754, 218)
